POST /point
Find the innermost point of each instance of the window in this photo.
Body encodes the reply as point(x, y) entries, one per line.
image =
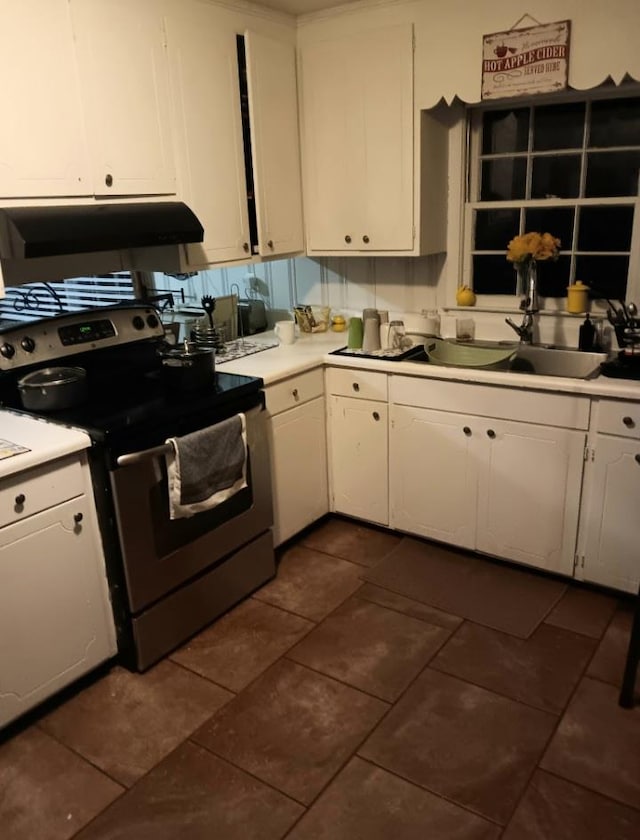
point(33, 301)
point(570, 169)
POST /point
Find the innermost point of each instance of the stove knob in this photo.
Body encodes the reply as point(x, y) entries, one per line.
point(138, 323)
point(8, 351)
point(152, 321)
point(28, 344)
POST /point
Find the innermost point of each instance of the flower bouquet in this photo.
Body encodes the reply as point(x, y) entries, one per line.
point(526, 250)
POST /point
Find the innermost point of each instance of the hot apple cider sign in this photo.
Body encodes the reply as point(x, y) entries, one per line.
point(525, 61)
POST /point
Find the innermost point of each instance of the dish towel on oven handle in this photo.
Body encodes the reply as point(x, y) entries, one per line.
point(207, 467)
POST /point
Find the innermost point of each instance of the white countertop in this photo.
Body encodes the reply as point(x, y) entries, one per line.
point(311, 350)
point(45, 441)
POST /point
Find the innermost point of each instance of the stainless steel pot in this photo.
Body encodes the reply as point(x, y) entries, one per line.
point(187, 367)
point(53, 388)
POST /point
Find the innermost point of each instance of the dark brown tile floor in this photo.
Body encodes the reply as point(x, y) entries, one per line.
point(330, 707)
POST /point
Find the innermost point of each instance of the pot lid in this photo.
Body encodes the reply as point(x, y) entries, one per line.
point(52, 376)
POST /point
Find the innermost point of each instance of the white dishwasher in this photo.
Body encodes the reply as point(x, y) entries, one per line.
point(56, 622)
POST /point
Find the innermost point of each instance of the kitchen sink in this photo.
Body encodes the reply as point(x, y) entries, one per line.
point(546, 361)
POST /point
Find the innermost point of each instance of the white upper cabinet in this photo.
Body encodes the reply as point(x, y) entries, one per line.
point(122, 64)
point(209, 146)
point(271, 77)
point(357, 106)
point(42, 142)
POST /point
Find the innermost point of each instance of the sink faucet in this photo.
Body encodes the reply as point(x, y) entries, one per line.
point(529, 305)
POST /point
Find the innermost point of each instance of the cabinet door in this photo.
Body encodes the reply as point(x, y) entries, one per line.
point(358, 452)
point(529, 493)
point(275, 144)
point(433, 479)
point(55, 621)
point(358, 141)
point(125, 87)
point(208, 127)
point(610, 524)
point(42, 142)
point(299, 468)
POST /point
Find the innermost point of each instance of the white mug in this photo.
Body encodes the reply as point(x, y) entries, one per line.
point(285, 331)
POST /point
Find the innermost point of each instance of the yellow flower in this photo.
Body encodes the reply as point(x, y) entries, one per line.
point(533, 246)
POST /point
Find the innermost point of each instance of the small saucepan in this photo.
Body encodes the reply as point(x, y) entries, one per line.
point(53, 388)
point(186, 367)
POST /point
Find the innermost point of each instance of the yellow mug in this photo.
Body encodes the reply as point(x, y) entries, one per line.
point(577, 298)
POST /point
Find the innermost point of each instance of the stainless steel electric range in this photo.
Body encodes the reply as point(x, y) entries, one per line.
point(168, 578)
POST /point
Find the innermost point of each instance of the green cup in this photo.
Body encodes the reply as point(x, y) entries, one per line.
point(354, 341)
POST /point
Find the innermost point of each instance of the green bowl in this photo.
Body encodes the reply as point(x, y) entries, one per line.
point(443, 352)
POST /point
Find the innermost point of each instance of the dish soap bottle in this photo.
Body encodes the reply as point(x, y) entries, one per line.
point(586, 335)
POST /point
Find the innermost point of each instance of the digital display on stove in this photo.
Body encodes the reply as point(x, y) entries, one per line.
point(88, 331)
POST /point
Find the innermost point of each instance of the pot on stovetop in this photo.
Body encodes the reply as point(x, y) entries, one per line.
point(186, 367)
point(53, 388)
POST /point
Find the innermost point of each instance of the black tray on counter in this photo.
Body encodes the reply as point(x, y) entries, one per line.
point(381, 355)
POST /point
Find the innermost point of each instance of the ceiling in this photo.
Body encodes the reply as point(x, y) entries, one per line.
point(299, 7)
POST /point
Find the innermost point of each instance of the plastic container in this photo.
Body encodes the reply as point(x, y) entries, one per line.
point(577, 298)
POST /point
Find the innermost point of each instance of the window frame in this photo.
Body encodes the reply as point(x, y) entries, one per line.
point(471, 168)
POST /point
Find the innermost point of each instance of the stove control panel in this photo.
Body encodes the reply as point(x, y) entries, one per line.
point(79, 332)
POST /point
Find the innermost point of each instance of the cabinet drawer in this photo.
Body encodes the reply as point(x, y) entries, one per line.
point(361, 384)
point(294, 391)
point(618, 418)
point(29, 492)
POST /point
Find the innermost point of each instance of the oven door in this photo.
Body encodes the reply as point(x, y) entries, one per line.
point(159, 554)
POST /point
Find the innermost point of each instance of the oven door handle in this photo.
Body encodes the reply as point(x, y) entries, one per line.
point(136, 457)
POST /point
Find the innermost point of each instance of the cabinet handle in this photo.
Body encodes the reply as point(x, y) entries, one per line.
point(77, 518)
point(20, 499)
point(365, 239)
point(491, 433)
point(347, 239)
point(108, 180)
point(245, 247)
point(628, 422)
point(376, 416)
point(637, 457)
point(355, 386)
point(467, 431)
point(295, 394)
point(270, 244)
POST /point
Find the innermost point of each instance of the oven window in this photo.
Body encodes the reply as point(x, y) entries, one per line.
point(34, 301)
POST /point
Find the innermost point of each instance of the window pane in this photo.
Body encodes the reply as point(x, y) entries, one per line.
point(494, 229)
point(553, 277)
point(556, 176)
point(558, 126)
point(612, 174)
point(615, 123)
point(605, 228)
point(608, 274)
point(503, 180)
point(558, 221)
point(493, 275)
point(505, 131)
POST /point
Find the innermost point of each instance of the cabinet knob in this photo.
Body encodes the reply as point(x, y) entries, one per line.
point(245, 247)
point(347, 239)
point(467, 431)
point(108, 180)
point(491, 433)
point(628, 422)
point(365, 239)
point(376, 416)
point(637, 457)
point(355, 386)
point(270, 244)
point(295, 394)
point(20, 499)
point(77, 518)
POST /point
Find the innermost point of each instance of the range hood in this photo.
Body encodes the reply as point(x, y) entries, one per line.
point(28, 233)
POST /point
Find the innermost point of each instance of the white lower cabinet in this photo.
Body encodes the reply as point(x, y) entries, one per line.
point(298, 453)
point(55, 618)
point(609, 532)
point(507, 488)
point(358, 440)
